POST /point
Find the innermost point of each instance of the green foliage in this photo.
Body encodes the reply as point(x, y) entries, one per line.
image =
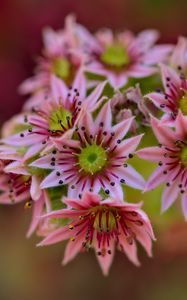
point(56, 194)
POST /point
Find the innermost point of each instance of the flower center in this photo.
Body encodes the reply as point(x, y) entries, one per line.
point(92, 159)
point(183, 104)
point(61, 68)
point(105, 220)
point(115, 55)
point(60, 119)
point(183, 155)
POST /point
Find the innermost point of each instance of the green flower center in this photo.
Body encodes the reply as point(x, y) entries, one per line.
point(61, 68)
point(60, 119)
point(183, 155)
point(115, 56)
point(183, 104)
point(92, 159)
point(105, 219)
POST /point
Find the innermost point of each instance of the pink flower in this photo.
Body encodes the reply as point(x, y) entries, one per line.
point(101, 225)
point(128, 104)
point(174, 97)
point(171, 157)
point(17, 184)
point(95, 159)
point(62, 59)
point(17, 188)
point(121, 56)
point(56, 117)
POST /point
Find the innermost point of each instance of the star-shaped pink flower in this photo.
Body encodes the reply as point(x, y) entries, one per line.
point(102, 225)
point(171, 156)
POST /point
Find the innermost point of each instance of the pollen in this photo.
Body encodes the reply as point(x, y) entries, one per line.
point(71, 227)
point(28, 205)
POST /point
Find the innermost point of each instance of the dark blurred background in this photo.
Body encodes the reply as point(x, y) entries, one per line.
point(30, 273)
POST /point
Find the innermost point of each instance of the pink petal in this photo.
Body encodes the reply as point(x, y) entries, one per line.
point(83, 186)
point(125, 206)
point(27, 140)
point(47, 201)
point(181, 126)
point(29, 85)
point(157, 54)
point(116, 80)
point(158, 99)
point(56, 236)
point(145, 40)
point(52, 41)
point(178, 57)
point(86, 37)
point(91, 199)
point(139, 71)
point(144, 239)
point(122, 128)
point(35, 188)
point(9, 153)
point(129, 145)
point(34, 100)
point(106, 260)
point(131, 176)
point(39, 121)
point(60, 142)
point(77, 204)
point(167, 120)
point(97, 68)
point(105, 37)
point(90, 103)
point(155, 179)
point(80, 84)
point(165, 135)
point(146, 224)
point(126, 37)
point(72, 249)
point(116, 192)
point(151, 153)
point(87, 122)
point(64, 213)
point(129, 250)
point(43, 162)
point(74, 193)
point(105, 117)
point(53, 180)
point(37, 211)
point(168, 72)
point(169, 196)
point(16, 167)
point(58, 89)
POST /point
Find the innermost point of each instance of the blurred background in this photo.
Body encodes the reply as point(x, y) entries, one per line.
point(30, 273)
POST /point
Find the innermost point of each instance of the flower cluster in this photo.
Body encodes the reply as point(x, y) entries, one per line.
point(68, 154)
